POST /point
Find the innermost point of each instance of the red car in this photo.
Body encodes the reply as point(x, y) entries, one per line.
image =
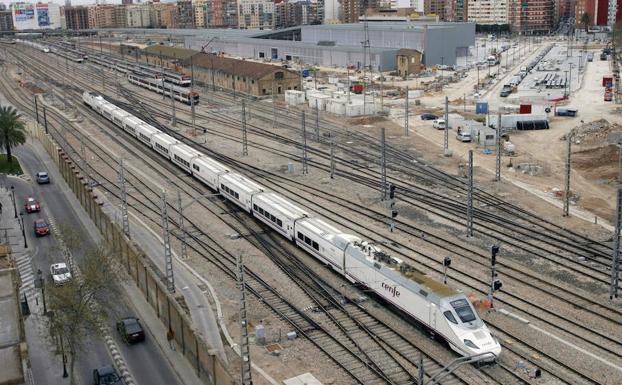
point(41, 228)
point(32, 205)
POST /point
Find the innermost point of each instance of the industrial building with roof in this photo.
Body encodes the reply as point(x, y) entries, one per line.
point(329, 45)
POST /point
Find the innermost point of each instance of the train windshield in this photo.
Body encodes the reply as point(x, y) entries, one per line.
point(464, 311)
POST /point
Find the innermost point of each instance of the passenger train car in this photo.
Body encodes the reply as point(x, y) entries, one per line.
point(182, 94)
point(442, 309)
point(32, 44)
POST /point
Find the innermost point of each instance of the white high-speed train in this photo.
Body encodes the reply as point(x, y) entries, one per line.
point(439, 307)
point(34, 45)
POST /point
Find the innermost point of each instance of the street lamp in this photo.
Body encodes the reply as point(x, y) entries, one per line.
point(23, 226)
point(13, 200)
point(41, 284)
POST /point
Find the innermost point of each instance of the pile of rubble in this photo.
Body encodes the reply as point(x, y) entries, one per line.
point(592, 133)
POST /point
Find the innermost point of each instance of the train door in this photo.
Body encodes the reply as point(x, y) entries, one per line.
point(432, 316)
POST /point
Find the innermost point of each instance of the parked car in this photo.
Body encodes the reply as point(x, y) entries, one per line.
point(428, 116)
point(43, 177)
point(106, 375)
point(566, 112)
point(464, 136)
point(60, 273)
point(130, 330)
point(41, 227)
point(505, 93)
point(439, 123)
point(31, 205)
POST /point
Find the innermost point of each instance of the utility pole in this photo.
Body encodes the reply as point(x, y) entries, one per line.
point(45, 120)
point(103, 80)
point(194, 127)
point(244, 139)
point(182, 230)
point(36, 109)
point(245, 353)
point(168, 258)
point(446, 137)
point(567, 182)
point(615, 265)
point(83, 156)
point(305, 166)
point(273, 108)
point(421, 370)
point(317, 120)
point(498, 140)
point(470, 197)
point(332, 156)
point(173, 116)
point(406, 113)
point(383, 164)
point(124, 216)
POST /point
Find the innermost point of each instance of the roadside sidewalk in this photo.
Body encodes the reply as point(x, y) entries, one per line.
point(46, 366)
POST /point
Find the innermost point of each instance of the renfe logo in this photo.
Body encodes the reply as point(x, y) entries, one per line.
point(391, 289)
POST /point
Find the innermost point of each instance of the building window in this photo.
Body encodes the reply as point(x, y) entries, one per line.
point(262, 55)
point(279, 75)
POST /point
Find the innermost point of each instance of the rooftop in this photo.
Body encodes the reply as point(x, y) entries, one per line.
point(168, 51)
point(233, 66)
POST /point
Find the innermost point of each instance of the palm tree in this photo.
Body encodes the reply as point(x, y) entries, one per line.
point(585, 20)
point(11, 130)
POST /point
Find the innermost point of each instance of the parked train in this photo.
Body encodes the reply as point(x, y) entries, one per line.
point(34, 45)
point(183, 94)
point(439, 307)
point(67, 55)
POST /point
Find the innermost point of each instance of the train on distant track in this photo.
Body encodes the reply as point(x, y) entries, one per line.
point(183, 94)
point(32, 44)
point(440, 308)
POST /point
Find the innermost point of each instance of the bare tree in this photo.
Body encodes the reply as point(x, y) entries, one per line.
point(77, 306)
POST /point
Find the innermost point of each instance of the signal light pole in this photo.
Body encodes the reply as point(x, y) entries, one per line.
point(495, 284)
point(446, 264)
point(392, 210)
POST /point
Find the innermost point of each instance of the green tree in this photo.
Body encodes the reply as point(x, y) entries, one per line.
point(11, 130)
point(585, 20)
point(77, 307)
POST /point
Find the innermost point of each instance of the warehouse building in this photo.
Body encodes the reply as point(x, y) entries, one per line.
point(243, 76)
point(337, 45)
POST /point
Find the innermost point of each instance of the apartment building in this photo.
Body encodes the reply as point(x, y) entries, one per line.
point(488, 12)
point(138, 16)
point(531, 16)
point(199, 13)
point(457, 10)
point(185, 14)
point(76, 18)
point(255, 14)
point(163, 15)
point(6, 20)
point(435, 7)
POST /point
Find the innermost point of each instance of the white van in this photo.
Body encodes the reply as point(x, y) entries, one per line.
point(439, 123)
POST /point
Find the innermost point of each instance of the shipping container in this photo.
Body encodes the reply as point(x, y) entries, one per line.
point(357, 88)
point(525, 109)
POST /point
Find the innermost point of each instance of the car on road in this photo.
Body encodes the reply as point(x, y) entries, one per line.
point(464, 136)
point(31, 205)
point(130, 330)
point(41, 227)
point(428, 116)
point(43, 177)
point(439, 123)
point(106, 375)
point(60, 273)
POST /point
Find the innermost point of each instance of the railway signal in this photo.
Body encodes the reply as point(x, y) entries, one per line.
point(446, 264)
point(393, 211)
point(495, 284)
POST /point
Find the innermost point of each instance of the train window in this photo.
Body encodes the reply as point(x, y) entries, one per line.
point(377, 265)
point(307, 240)
point(255, 207)
point(300, 236)
point(222, 186)
point(237, 196)
point(194, 166)
point(279, 222)
point(423, 292)
point(463, 309)
point(449, 315)
point(316, 246)
point(272, 218)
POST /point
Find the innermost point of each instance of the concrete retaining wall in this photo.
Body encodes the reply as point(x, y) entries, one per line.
point(208, 367)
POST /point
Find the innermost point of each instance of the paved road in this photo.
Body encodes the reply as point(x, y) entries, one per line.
point(145, 361)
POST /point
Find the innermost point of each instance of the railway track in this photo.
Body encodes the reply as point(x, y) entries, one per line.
point(304, 328)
